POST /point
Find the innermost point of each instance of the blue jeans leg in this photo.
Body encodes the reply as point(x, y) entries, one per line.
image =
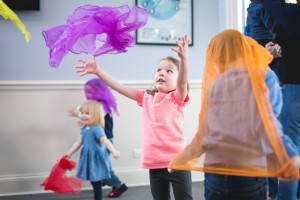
point(290, 120)
point(273, 187)
point(223, 187)
point(290, 114)
point(114, 181)
point(287, 190)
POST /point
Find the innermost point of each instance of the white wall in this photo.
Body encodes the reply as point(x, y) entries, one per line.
point(36, 132)
point(34, 127)
point(29, 61)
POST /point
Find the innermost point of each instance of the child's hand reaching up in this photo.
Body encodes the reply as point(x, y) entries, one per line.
point(182, 49)
point(87, 67)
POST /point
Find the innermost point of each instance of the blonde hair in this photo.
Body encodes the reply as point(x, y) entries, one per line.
point(95, 110)
point(173, 60)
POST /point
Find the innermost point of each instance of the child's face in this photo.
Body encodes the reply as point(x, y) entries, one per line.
point(166, 76)
point(86, 118)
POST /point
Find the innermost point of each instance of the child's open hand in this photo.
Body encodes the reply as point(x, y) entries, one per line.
point(73, 112)
point(116, 154)
point(182, 49)
point(67, 155)
point(87, 67)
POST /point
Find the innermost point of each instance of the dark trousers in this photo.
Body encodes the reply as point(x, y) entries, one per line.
point(161, 180)
point(97, 187)
point(224, 187)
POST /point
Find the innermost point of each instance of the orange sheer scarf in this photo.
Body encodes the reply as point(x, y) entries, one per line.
point(237, 131)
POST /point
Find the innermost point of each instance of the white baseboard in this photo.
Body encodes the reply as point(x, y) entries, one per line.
point(30, 184)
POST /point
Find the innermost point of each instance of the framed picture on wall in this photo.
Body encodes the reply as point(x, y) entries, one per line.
point(168, 21)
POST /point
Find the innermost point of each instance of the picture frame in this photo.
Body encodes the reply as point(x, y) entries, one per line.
point(168, 22)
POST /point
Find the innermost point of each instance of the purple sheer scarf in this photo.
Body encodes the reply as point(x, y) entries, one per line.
point(96, 89)
point(88, 25)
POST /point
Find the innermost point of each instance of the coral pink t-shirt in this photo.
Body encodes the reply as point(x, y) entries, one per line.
point(162, 128)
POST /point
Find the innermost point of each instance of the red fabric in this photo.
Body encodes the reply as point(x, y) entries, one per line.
point(58, 182)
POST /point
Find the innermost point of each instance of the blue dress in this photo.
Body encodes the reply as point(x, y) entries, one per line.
point(94, 164)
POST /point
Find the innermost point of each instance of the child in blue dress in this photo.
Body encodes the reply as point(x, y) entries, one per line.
point(96, 89)
point(94, 164)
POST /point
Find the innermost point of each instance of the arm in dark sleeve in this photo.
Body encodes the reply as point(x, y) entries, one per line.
point(108, 126)
point(267, 20)
point(286, 15)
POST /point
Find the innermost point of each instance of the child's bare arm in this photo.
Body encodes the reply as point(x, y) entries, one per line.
point(182, 81)
point(93, 68)
point(115, 153)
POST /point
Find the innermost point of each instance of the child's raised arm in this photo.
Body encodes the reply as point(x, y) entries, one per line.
point(93, 68)
point(182, 81)
point(110, 147)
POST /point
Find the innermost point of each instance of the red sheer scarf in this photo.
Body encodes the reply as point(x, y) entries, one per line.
point(58, 181)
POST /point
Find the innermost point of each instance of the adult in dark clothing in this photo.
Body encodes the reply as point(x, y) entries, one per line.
point(287, 17)
point(260, 25)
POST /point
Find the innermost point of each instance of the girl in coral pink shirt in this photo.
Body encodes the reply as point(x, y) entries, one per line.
point(162, 119)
